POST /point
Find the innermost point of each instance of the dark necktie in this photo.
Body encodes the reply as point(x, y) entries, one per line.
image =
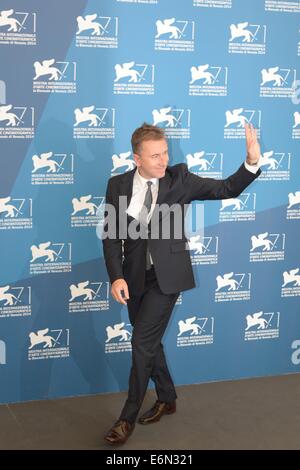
point(144, 218)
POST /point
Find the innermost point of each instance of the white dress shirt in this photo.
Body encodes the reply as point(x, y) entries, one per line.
point(139, 190)
point(252, 168)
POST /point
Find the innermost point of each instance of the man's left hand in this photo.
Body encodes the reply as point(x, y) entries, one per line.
point(252, 145)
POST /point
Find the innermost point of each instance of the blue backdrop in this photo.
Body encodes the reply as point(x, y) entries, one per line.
point(76, 79)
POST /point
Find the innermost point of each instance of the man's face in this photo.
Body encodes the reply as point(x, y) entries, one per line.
point(152, 159)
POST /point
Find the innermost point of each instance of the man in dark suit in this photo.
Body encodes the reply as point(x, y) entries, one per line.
point(147, 258)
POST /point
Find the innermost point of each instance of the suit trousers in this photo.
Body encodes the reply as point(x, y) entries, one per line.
point(149, 315)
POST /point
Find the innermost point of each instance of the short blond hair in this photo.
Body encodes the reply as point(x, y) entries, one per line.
point(146, 132)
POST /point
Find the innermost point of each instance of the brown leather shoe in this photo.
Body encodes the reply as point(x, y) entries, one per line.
point(119, 433)
point(155, 413)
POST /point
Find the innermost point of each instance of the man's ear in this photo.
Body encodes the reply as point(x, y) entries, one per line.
point(137, 159)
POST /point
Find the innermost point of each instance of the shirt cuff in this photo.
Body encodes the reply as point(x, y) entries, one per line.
point(252, 168)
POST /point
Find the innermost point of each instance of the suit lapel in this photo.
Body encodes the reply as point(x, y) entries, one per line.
point(164, 185)
point(127, 184)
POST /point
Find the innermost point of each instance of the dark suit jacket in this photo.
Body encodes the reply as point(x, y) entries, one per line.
point(127, 259)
